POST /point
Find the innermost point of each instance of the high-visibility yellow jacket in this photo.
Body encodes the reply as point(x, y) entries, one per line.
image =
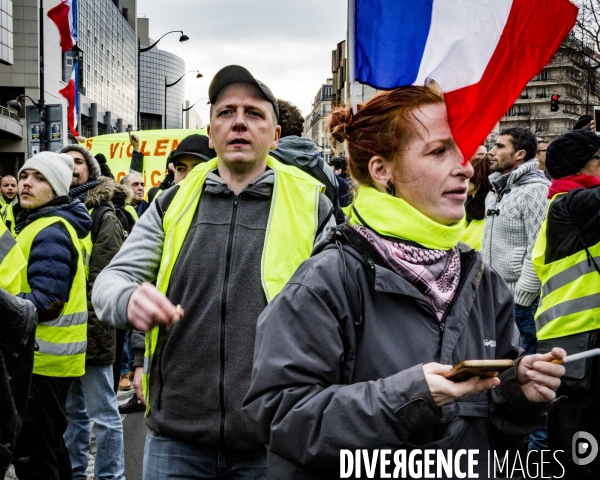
point(8, 217)
point(62, 342)
point(570, 296)
point(473, 234)
point(12, 262)
point(294, 214)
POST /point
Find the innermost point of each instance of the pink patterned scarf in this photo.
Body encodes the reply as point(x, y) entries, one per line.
point(434, 273)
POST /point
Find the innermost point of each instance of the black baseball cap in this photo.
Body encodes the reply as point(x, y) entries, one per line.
point(196, 145)
point(236, 74)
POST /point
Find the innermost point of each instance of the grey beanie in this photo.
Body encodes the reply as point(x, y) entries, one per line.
point(57, 169)
point(92, 163)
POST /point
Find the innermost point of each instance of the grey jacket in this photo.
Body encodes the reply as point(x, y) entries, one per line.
point(338, 359)
point(515, 210)
point(202, 366)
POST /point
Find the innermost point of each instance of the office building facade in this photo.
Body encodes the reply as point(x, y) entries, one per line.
point(158, 67)
point(107, 65)
point(315, 124)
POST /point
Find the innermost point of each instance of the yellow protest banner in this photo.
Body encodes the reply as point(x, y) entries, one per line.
point(155, 145)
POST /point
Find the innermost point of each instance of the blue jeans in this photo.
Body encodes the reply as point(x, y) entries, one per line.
point(166, 458)
point(127, 356)
point(92, 398)
point(526, 325)
point(539, 440)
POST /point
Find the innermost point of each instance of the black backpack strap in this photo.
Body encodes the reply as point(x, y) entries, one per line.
point(324, 222)
point(165, 199)
point(97, 215)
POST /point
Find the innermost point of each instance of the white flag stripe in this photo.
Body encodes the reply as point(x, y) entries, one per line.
point(462, 39)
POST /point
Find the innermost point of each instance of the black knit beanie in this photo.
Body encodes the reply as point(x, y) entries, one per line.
point(569, 152)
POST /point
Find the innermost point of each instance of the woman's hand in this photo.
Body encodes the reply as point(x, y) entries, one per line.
point(444, 391)
point(538, 377)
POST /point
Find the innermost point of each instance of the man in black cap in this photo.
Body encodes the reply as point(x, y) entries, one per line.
point(218, 246)
point(566, 257)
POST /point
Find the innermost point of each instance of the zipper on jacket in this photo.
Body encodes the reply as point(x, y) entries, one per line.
point(223, 313)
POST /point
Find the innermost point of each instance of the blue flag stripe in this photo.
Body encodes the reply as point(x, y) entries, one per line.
point(390, 40)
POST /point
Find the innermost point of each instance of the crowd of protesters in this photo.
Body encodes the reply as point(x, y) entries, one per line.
point(268, 308)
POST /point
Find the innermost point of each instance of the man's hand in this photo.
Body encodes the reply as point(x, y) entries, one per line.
point(134, 140)
point(444, 391)
point(538, 377)
point(148, 307)
point(137, 384)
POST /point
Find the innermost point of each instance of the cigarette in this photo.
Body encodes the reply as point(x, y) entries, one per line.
point(178, 309)
point(578, 356)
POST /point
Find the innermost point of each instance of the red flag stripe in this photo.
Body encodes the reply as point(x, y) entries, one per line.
point(60, 16)
point(533, 33)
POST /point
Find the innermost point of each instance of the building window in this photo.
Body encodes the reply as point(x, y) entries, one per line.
point(543, 75)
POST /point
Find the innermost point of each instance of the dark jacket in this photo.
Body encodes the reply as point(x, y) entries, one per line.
point(475, 205)
point(17, 340)
point(101, 338)
point(573, 222)
point(345, 191)
point(52, 262)
point(338, 359)
point(121, 197)
point(202, 365)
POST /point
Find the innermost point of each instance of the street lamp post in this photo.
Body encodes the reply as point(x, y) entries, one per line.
point(183, 38)
point(190, 107)
point(168, 85)
point(16, 106)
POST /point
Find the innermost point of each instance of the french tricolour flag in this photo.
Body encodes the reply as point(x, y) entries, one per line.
point(481, 52)
point(64, 15)
point(71, 93)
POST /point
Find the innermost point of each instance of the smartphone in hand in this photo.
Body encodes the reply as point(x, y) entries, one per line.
point(478, 368)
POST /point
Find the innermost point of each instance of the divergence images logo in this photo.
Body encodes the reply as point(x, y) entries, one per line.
point(585, 448)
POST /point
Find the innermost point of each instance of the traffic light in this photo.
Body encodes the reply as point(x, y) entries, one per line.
point(554, 102)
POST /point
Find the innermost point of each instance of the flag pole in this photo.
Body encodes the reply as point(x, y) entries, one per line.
point(352, 52)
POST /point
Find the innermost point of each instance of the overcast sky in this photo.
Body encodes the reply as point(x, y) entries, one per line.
point(285, 43)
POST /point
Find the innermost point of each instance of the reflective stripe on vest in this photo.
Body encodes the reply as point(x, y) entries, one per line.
point(86, 249)
point(8, 217)
point(570, 296)
point(62, 342)
point(12, 262)
point(289, 238)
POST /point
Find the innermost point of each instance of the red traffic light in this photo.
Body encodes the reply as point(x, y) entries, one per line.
point(555, 97)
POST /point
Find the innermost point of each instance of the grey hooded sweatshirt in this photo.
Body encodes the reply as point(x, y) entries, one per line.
point(202, 366)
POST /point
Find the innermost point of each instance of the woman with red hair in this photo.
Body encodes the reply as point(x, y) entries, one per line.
point(352, 352)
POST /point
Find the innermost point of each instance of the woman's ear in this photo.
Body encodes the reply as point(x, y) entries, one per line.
point(380, 172)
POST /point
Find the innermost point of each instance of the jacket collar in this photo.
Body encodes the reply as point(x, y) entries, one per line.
point(526, 173)
point(101, 194)
point(261, 186)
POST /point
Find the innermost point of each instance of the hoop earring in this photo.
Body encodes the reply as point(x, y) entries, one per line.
point(391, 188)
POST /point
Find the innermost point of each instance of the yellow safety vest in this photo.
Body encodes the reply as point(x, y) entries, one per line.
point(473, 234)
point(62, 342)
point(132, 211)
point(12, 262)
point(570, 297)
point(86, 250)
point(291, 230)
point(7, 214)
